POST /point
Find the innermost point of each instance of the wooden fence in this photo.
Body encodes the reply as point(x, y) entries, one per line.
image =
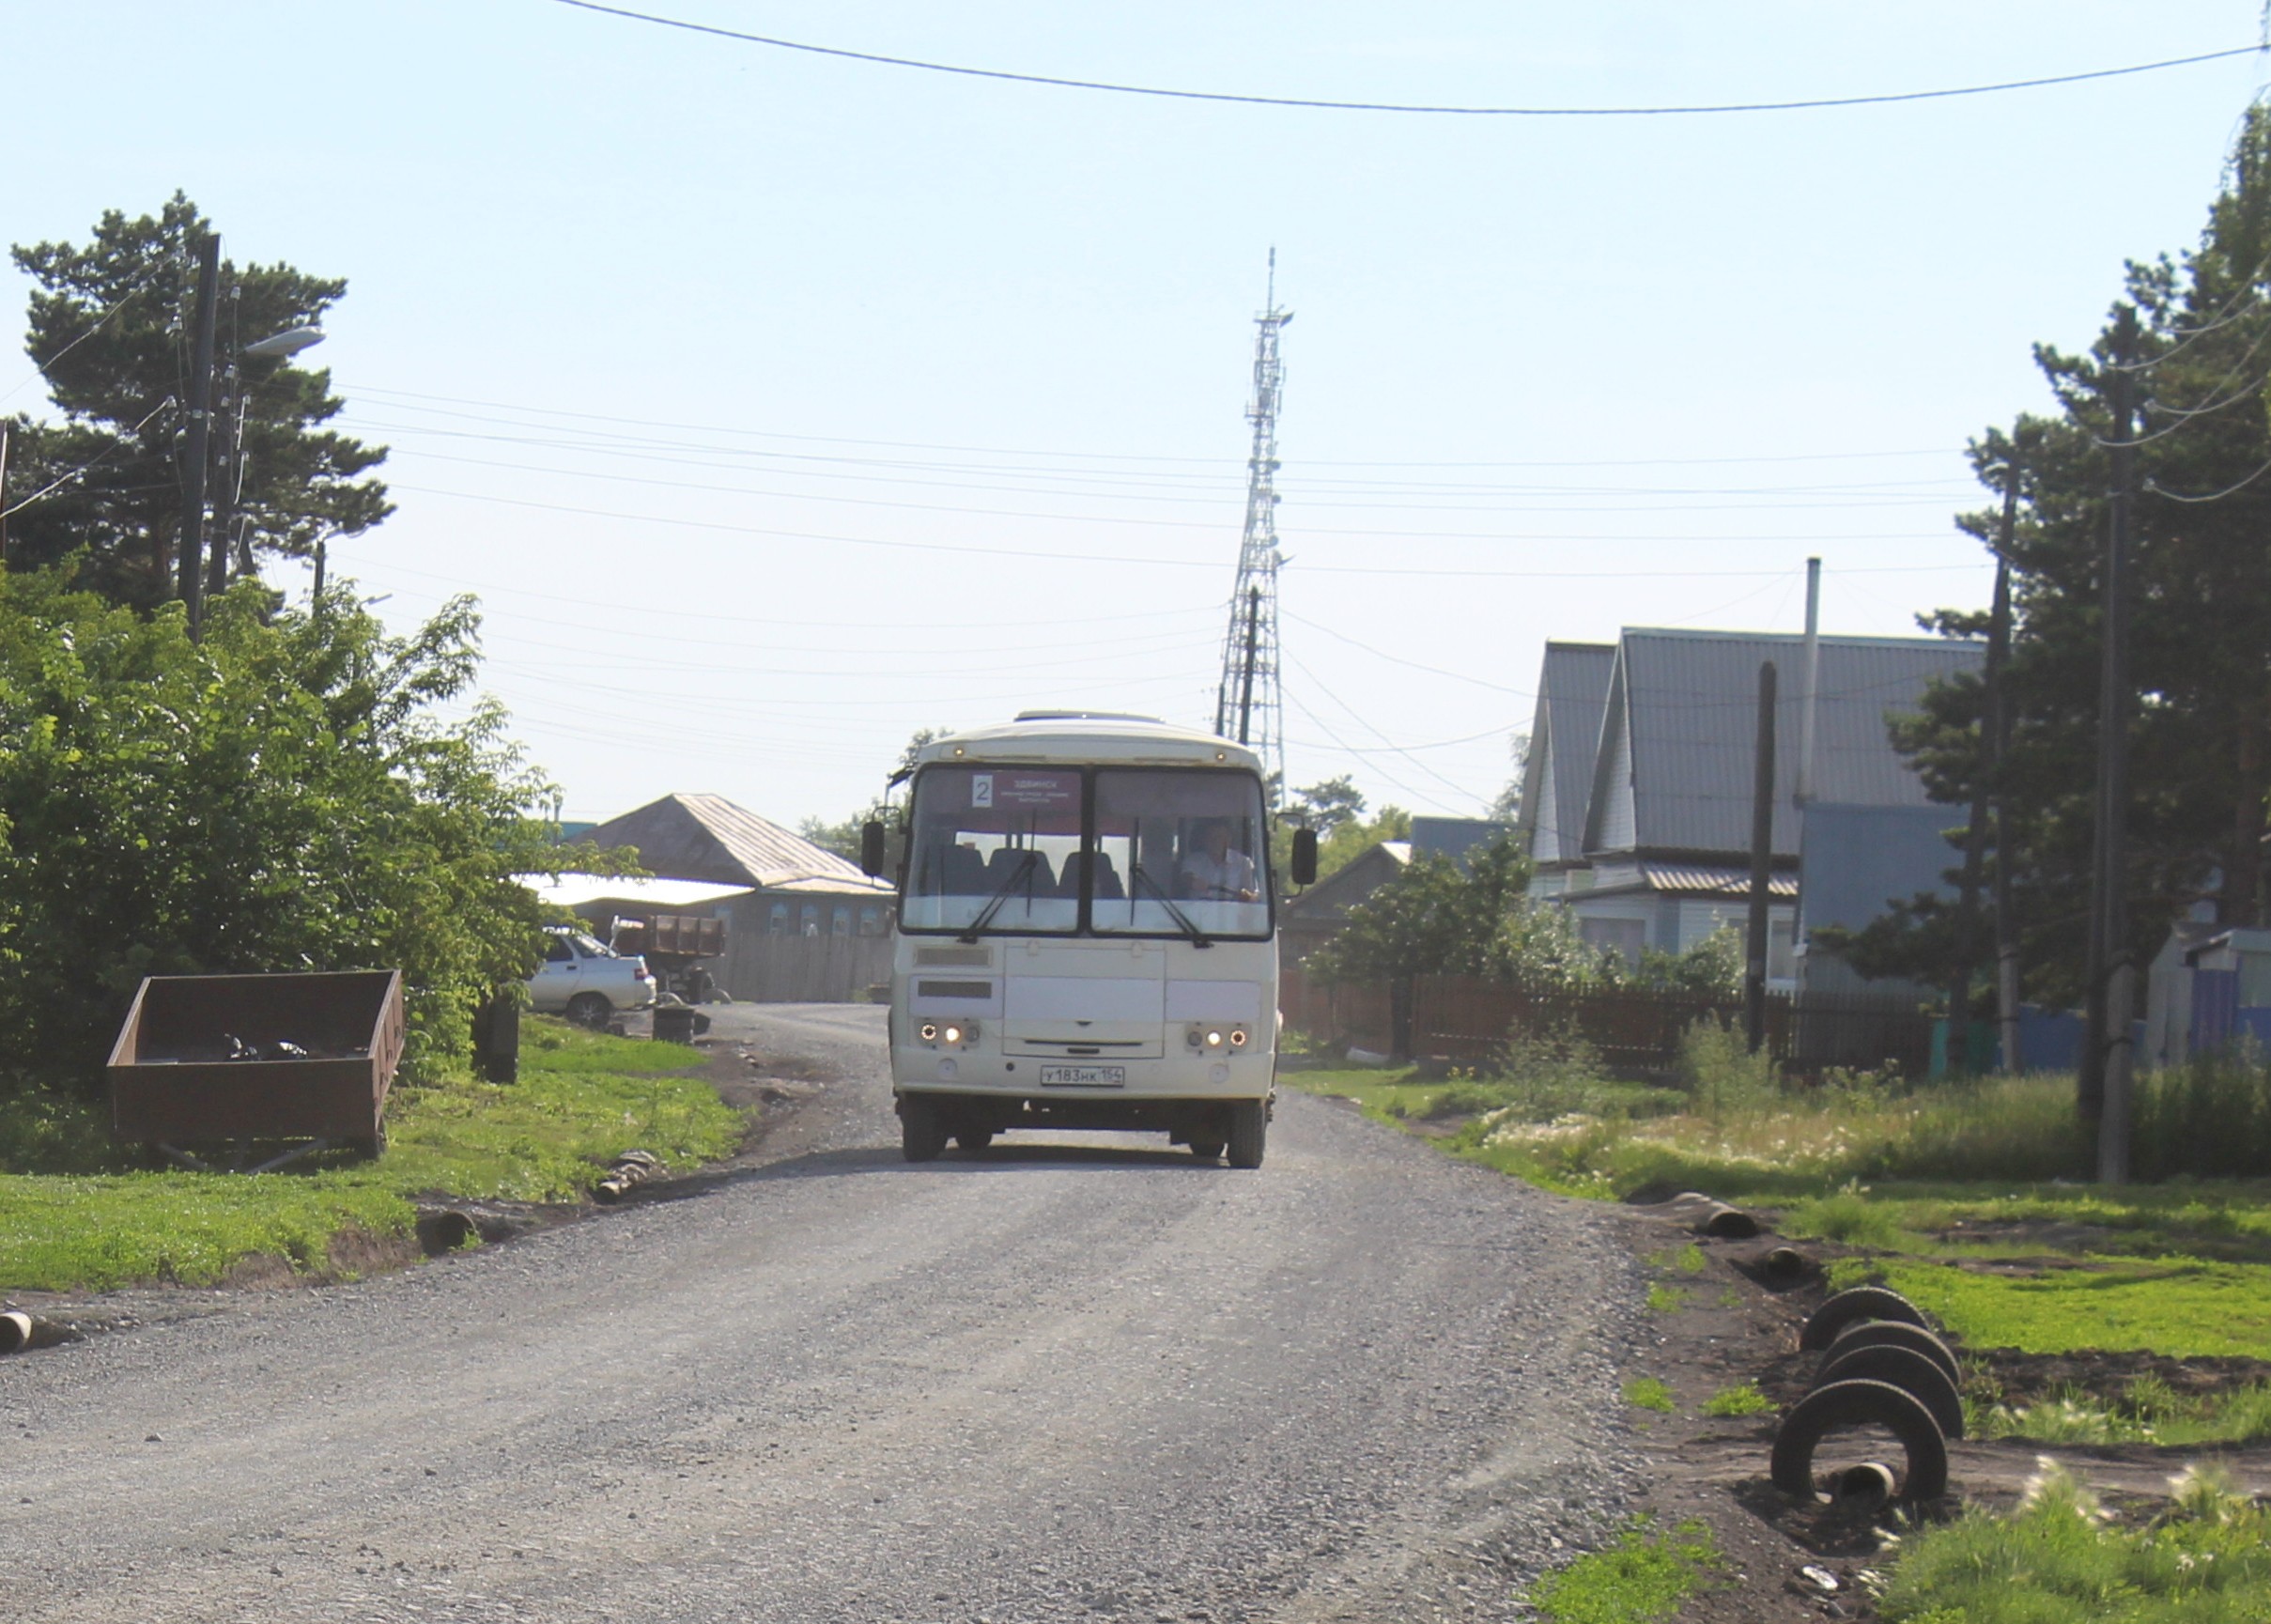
point(1636, 1032)
point(789, 970)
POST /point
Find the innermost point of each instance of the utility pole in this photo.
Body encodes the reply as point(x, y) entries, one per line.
point(2103, 1088)
point(1998, 726)
point(189, 561)
point(1762, 865)
point(1250, 675)
point(231, 410)
point(1975, 834)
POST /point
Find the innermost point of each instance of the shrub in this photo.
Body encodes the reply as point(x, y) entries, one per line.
point(299, 791)
point(1723, 1078)
point(2210, 1117)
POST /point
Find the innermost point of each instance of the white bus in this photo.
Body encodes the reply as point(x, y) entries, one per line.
point(1087, 936)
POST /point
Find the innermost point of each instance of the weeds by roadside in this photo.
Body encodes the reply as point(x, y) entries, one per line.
point(2062, 1556)
point(1741, 1399)
point(1641, 1579)
point(2148, 1411)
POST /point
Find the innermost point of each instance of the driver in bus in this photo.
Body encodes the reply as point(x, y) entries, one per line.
point(1215, 872)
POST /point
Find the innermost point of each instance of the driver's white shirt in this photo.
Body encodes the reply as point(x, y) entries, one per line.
point(1226, 880)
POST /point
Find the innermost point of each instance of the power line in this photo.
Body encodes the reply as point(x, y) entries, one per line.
point(1214, 462)
point(1148, 561)
point(39, 367)
point(1811, 103)
point(87, 466)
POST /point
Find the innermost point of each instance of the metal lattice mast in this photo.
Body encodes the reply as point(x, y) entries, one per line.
point(1249, 704)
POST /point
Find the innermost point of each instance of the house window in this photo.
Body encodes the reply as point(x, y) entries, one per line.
point(841, 923)
point(870, 920)
point(807, 922)
point(1782, 950)
point(777, 924)
point(1623, 938)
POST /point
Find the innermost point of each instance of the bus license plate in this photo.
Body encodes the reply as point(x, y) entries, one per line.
point(1084, 1076)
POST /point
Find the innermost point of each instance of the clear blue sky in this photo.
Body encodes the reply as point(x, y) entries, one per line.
point(700, 360)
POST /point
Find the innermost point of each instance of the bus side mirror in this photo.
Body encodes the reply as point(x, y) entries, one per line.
point(1305, 857)
point(871, 849)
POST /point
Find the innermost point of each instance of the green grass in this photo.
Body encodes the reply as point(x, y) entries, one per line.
point(1924, 1180)
point(1663, 1299)
point(2059, 1559)
point(1648, 1392)
point(583, 1098)
point(2183, 1306)
point(1742, 1400)
point(1642, 1579)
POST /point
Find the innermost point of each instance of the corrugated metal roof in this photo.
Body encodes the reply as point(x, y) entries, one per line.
point(573, 891)
point(707, 837)
point(1713, 879)
point(1688, 702)
point(1572, 694)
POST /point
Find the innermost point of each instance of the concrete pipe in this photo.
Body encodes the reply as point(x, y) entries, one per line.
point(445, 1229)
point(20, 1331)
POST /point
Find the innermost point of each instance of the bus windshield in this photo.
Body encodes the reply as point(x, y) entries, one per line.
point(1019, 851)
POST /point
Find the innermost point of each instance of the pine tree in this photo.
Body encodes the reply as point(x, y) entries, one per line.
point(109, 330)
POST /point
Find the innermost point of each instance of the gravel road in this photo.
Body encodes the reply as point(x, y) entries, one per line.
point(1074, 1379)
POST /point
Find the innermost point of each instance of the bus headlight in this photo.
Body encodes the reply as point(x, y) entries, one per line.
point(929, 1031)
point(1237, 1037)
point(1202, 1038)
point(953, 1034)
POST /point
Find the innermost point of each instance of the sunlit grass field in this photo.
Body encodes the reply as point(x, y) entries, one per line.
point(78, 1211)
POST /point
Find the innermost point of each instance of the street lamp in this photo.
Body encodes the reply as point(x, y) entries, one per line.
point(276, 347)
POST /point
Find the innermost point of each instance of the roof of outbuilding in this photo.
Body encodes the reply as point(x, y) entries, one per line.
point(707, 837)
point(1687, 704)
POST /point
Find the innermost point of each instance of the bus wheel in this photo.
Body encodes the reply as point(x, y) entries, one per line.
point(1249, 1129)
point(923, 1129)
point(973, 1139)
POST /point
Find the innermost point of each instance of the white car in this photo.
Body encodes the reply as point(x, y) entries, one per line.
point(587, 981)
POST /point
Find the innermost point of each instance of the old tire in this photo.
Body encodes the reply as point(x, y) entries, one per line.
point(1893, 1333)
point(1249, 1132)
point(1862, 1403)
point(923, 1128)
point(590, 1010)
point(1904, 1368)
point(1847, 1307)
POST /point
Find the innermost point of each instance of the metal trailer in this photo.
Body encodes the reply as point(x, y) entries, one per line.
point(291, 1064)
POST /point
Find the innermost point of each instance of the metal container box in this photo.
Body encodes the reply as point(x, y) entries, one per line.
point(203, 1059)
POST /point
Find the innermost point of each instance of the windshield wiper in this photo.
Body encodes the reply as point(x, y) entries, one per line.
point(1199, 937)
point(1010, 882)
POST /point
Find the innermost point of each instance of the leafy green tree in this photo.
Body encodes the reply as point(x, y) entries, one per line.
point(1432, 919)
point(302, 791)
point(111, 330)
point(1507, 806)
point(843, 838)
point(1327, 807)
point(2201, 617)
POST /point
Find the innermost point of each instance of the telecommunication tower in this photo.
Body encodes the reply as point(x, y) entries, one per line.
point(1249, 706)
